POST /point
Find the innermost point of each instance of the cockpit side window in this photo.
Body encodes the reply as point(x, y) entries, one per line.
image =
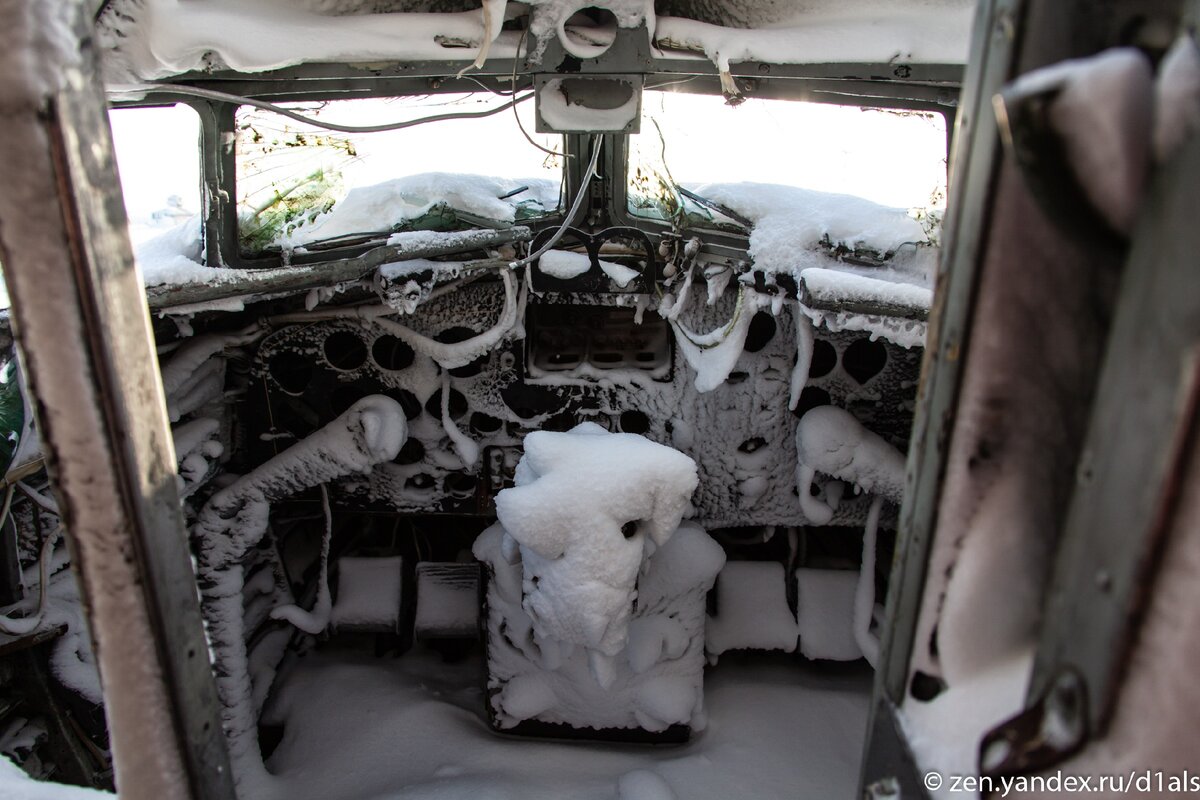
point(693, 148)
point(302, 185)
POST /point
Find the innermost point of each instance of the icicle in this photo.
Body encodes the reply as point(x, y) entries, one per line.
point(804, 353)
point(864, 594)
point(717, 278)
point(816, 512)
point(315, 621)
point(672, 313)
point(602, 667)
point(467, 449)
point(729, 86)
point(714, 354)
point(639, 309)
point(493, 22)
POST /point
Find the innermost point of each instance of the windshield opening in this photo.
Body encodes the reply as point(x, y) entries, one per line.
point(303, 186)
point(695, 152)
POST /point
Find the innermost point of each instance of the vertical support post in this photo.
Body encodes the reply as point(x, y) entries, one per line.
point(80, 317)
point(995, 234)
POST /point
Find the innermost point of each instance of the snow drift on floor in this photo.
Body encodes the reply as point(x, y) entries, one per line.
point(365, 728)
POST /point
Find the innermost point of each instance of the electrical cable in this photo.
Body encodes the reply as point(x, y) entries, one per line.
point(516, 116)
point(210, 94)
point(584, 188)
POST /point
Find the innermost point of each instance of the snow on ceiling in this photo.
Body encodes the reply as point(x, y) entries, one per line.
point(154, 39)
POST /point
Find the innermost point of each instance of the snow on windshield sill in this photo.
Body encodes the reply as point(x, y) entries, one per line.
point(384, 205)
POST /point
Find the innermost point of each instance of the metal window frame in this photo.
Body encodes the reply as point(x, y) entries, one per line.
point(80, 318)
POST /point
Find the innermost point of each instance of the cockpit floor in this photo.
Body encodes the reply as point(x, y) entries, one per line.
point(363, 728)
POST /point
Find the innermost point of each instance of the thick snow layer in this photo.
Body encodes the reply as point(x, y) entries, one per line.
point(790, 222)
point(1176, 97)
point(831, 441)
point(378, 207)
point(162, 37)
point(752, 609)
point(840, 286)
point(828, 32)
point(15, 784)
point(412, 728)
point(574, 494)
point(653, 682)
point(173, 257)
point(825, 607)
point(156, 38)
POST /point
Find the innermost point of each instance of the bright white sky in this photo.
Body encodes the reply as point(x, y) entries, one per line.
point(892, 159)
point(896, 160)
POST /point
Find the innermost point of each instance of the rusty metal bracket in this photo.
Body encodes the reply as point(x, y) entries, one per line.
point(1045, 734)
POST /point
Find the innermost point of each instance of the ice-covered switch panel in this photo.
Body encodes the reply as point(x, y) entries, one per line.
point(368, 597)
point(596, 593)
point(447, 600)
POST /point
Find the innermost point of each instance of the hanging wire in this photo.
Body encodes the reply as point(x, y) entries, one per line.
point(584, 188)
point(516, 116)
point(210, 94)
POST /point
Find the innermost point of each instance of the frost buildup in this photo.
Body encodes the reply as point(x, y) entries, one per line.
point(231, 566)
point(829, 440)
point(596, 594)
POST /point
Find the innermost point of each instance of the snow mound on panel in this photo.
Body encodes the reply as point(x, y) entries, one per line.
point(173, 257)
point(752, 609)
point(790, 222)
point(588, 507)
point(383, 205)
point(563, 264)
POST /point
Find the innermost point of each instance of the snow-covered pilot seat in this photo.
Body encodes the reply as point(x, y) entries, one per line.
point(595, 597)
